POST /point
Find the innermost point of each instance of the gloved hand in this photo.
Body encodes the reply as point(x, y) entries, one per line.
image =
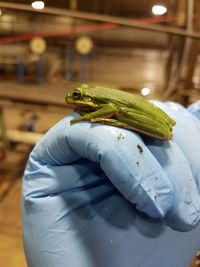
point(81, 184)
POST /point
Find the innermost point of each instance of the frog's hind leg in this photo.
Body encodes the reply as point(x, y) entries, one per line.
point(112, 122)
point(116, 123)
point(120, 124)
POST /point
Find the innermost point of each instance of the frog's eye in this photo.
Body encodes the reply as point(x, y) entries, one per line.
point(76, 94)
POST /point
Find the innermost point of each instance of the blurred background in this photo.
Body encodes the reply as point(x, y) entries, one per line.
point(47, 47)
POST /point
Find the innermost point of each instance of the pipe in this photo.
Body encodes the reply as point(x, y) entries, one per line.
point(69, 31)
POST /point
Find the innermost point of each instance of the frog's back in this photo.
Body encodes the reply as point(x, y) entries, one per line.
point(118, 97)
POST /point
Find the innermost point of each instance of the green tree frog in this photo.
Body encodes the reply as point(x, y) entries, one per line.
point(121, 109)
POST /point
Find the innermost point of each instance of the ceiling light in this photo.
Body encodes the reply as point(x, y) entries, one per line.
point(159, 10)
point(145, 91)
point(0, 12)
point(38, 5)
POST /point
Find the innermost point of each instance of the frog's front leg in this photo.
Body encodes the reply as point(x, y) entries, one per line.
point(107, 111)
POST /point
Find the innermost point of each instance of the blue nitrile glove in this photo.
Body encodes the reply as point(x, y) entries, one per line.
point(81, 186)
point(195, 109)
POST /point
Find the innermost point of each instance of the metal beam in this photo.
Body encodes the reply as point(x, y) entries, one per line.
point(104, 18)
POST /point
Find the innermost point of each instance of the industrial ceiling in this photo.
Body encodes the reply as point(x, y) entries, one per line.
point(18, 21)
point(125, 8)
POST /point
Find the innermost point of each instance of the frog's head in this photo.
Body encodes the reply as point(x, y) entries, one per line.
point(80, 97)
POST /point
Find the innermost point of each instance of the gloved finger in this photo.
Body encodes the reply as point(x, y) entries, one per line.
point(186, 134)
point(121, 155)
point(127, 163)
point(53, 148)
point(185, 212)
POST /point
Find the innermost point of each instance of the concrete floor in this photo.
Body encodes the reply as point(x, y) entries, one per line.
point(11, 245)
point(11, 171)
